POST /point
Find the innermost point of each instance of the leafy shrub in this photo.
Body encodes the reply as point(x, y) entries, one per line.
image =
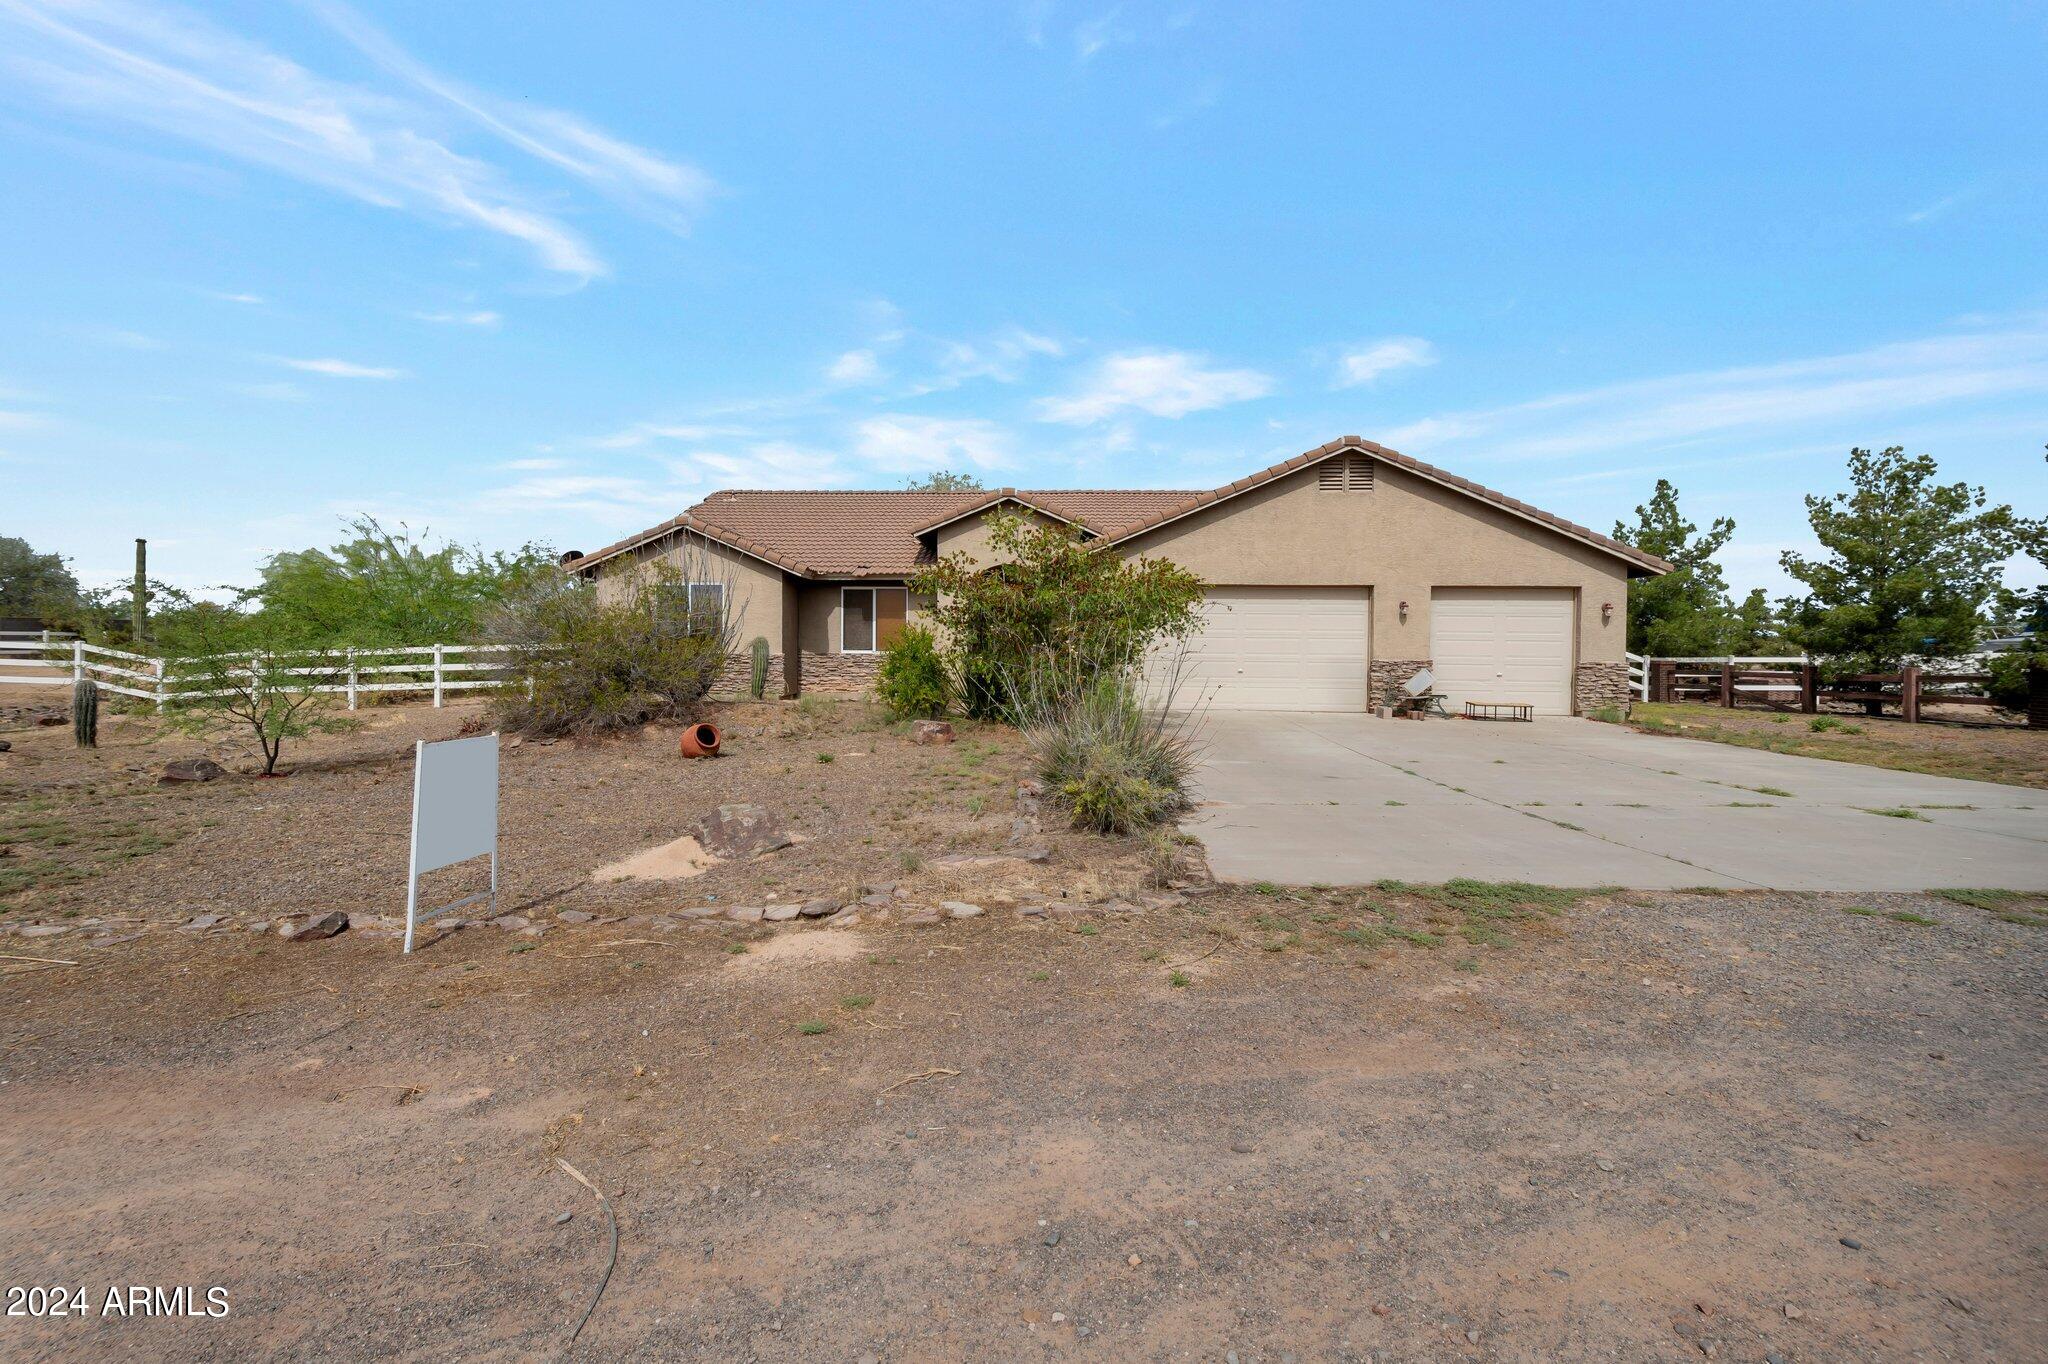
point(1050, 596)
point(593, 657)
point(1117, 767)
point(2008, 685)
point(912, 680)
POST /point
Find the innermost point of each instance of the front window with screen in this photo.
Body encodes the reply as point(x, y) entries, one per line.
point(871, 618)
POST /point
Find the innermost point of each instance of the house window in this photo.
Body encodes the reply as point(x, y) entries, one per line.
point(703, 604)
point(708, 598)
point(871, 618)
point(1345, 473)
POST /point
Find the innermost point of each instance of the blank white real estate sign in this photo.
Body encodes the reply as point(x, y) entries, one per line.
point(454, 816)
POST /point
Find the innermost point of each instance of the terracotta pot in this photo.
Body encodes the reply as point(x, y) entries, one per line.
point(700, 741)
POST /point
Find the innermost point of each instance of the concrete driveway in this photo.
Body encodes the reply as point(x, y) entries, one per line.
point(1348, 799)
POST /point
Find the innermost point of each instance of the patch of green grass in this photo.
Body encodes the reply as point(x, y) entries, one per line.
point(1981, 898)
point(1264, 888)
point(1413, 935)
point(1907, 916)
point(1607, 715)
point(1177, 979)
point(855, 1001)
point(814, 1027)
point(1567, 824)
point(1469, 964)
point(827, 757)
point(1397, 802)
point(1273, 923)
point(1703, 890)
point(1821, 724)
point(1860, 911)
point(736, 949)
point(1893, 812)
point(522, 947)
point(1483, 935)
point(1088, 930)
point(1944, 807)
point(1749, 805)
point(1777, 791)
point(1041, 976)
point(1363, 937)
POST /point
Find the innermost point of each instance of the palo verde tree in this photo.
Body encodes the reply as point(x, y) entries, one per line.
point(1907, 564)
point(234, 669)
point(1048, 596)
point(35, 584)
point(1685, 612)
point(389, 587)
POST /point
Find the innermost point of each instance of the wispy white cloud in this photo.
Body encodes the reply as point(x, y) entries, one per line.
point(531, 465)
point(341, 369)
point(765, 464)
point(646, 433)
point(250, 299)
point(1162, 383)
point(1942, 207)
point(477, 318)
point(854, 367)
point(607, 499)
point(1365, 364)
point(1093, 37)
point(181, 74)
point(901, 443)
point(1778, 400)
point(20, 421)
point(122, 337)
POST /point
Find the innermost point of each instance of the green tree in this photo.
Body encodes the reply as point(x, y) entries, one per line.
point(33, 584)
point(943, 481)
point(1753, 626)
point(1049, 597)
point(232, 668)
point(1908, 564)
point(386, 587)
point(1685, 612)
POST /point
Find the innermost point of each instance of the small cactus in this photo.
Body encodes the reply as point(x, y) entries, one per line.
point(759, 681)
point(85, 713)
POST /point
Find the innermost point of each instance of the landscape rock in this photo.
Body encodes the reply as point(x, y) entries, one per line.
point(878, 898)
point(818, 909)
point(191, 769)
point(931, 732)
point(779, 914)
point(746, 914)
point(846, 918)
point(741, 831)
point(202, 921)
point(511, 922)
point(6, 746)
point(960, 909)
point(702, 911)
point(1031, 911)
point(44, 930)
point(575, 916)
point(325, 926)
point(922, 918)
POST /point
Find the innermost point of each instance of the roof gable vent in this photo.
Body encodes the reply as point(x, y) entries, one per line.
point(1345, 474)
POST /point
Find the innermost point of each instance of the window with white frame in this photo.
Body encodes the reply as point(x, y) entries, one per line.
point(870, 618)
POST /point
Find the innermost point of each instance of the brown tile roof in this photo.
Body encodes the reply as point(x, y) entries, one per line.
point(836, 534)
point(1400, 461)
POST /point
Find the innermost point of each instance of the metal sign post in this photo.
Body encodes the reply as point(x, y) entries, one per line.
point(454, 817)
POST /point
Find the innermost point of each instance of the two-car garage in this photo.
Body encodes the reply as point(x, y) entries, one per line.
point(1310, 648)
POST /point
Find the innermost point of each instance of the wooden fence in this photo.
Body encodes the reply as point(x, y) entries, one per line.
point(1790, 684)
point(44, 660)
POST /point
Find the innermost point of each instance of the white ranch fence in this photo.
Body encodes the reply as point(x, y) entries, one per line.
point(47, 659)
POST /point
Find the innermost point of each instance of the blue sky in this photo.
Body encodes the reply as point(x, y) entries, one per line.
point(543, 271)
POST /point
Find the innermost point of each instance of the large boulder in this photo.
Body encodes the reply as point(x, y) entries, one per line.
point(931, 732)
point(741, 831)
point(191, 769)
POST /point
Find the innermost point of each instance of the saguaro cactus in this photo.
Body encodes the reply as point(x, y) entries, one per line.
point(85, 713)
point(759, 681)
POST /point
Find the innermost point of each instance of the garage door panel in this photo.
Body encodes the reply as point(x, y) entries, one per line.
point(1276, 648)
point(1504, 644)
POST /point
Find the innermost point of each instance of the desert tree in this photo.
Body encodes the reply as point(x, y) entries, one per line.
point(233, 668)
point(1683, 613)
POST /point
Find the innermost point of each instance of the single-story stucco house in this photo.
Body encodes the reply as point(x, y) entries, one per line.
point(1335, 576)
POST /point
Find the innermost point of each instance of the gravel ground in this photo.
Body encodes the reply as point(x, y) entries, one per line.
point(1320, 1124)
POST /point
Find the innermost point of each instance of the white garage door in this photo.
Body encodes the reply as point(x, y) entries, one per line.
point(1278, 648)
point(1503, 644)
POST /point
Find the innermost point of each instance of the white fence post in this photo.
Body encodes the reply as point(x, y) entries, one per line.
point(157, 667)
point(437, 676)
point(78, 660)
point(351, 679)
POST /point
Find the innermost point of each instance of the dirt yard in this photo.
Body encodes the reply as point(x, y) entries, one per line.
point(1966, 743)
point(1123, 1122)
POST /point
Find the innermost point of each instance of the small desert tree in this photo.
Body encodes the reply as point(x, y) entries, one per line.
point(232, 669)
point(384, 586)
point(943, 481)
point(1050, 596)
point(1683, 613)
point(1908, 565)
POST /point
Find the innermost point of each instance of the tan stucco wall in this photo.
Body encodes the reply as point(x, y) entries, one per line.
point(1403, 538)
point(754, 588)
point(969, 536)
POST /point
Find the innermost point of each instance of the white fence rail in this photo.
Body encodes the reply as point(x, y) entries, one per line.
point(435, 669)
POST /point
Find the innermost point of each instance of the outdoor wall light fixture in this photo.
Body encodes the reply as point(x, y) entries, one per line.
point(1404, 613)
point(1606, 612)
